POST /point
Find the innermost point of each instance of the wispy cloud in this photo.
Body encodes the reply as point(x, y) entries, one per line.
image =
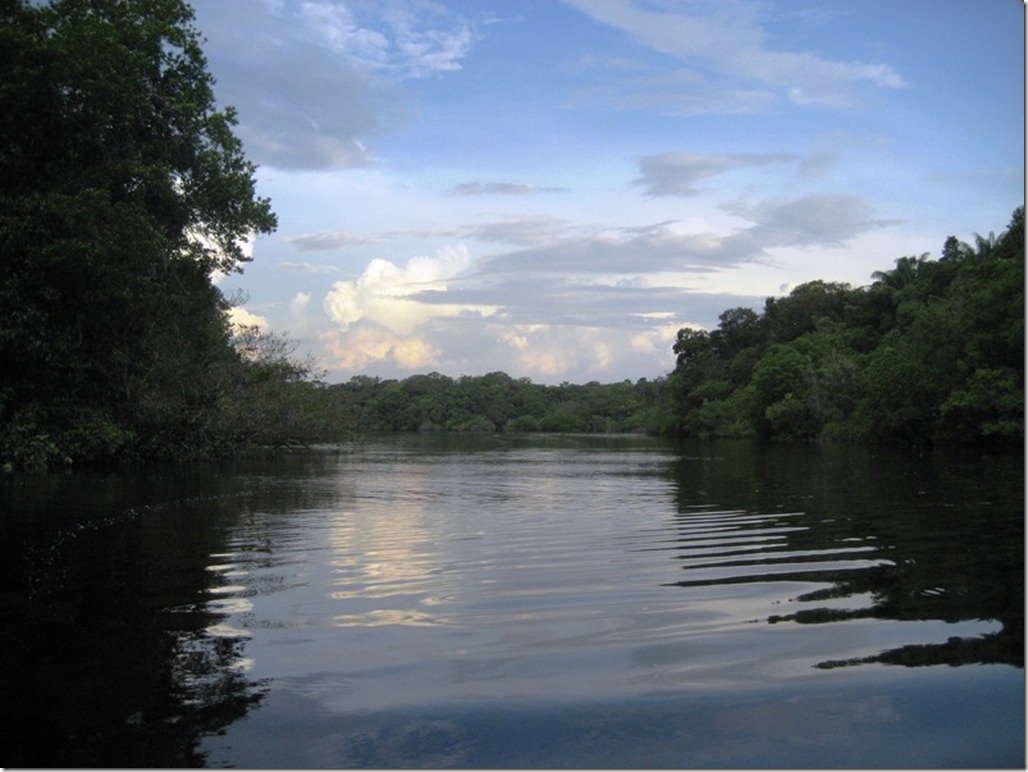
point(676, 91)
point(523, 230)
point(727, 40)
point(313, 81)
point(500, 188)
point(427, 39)
point(815, 220)
point(327, 240)
point(303, 267)
point(678, 174)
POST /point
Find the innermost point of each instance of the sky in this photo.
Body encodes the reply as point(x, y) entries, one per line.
point(553, 188)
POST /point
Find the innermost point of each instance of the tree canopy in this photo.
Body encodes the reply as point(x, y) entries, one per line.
point(122, 190)
point(931, 351)
point(496, 402)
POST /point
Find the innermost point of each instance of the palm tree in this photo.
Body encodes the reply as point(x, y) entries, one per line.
point(905, 273)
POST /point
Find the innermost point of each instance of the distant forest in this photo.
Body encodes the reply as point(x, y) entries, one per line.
point(931, 351)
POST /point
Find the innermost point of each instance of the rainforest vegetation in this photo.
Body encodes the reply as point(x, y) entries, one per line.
point(124, 192)
point(498, 402)
point(931, 351)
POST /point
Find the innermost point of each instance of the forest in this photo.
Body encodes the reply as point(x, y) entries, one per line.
point(496, 402)
point(931, 351)
point(124, 191)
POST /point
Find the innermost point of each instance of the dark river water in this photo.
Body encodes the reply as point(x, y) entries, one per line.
point(504, 601)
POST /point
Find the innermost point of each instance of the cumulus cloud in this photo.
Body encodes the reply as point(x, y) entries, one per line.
point(729, 41)
point(239, 318)
point(364, 345)
point(299, 303)
point(544, 327)
point(392, 296)
point(656, 340)
point(678, 174)
point(553, 351)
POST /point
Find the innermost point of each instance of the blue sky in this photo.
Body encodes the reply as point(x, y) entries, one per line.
point(553, 188)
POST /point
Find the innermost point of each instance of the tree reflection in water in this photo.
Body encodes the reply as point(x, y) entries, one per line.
point(110, 661)
point(947, 549)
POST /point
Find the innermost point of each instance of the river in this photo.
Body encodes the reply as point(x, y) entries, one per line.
point(519, 601)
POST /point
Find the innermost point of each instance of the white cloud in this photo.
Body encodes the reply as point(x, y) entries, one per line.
point(313, 81)
point(334, 25)
point(426, 49)
point(391, 296)
point(728, 39)
point(361, 346)
point(581, 353)
point(543, 350)
point(410, 39)
point(239, 317)
point(299, 303)
point(656, 340)
point(675, 92)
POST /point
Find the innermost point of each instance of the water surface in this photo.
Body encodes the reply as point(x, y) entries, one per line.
point(520, 601)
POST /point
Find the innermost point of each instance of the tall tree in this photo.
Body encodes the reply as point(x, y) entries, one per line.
point(122, 189)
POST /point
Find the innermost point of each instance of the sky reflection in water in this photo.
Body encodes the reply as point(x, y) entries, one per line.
point(573, 577)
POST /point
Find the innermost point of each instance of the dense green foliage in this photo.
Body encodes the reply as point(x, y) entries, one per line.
point(122, 191)
point(497, 402)
point(932, 351)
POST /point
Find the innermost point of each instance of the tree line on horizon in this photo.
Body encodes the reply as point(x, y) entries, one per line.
point(124, 190)
point(930, 351)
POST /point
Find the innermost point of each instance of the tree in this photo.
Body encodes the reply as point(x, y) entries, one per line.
point(798, 313)
point(691, 345)
point(122, 189)
point(739, 329)
point(904, 274)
